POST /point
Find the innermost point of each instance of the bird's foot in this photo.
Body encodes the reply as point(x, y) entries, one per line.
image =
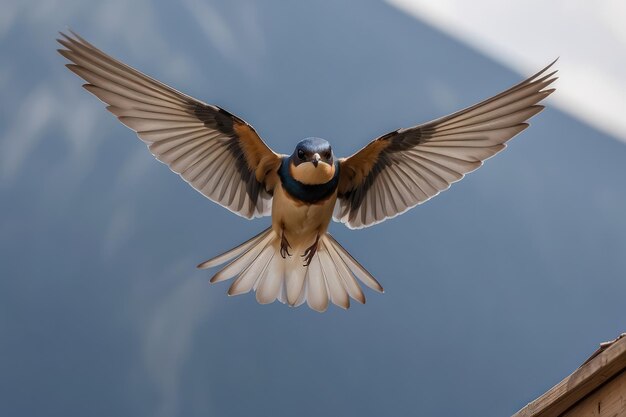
point(284, 246)
point(310, 252)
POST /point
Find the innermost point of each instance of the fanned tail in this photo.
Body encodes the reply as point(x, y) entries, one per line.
point(256, 264)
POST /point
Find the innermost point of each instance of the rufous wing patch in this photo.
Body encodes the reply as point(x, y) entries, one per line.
point(356, 168)
point(259, 157)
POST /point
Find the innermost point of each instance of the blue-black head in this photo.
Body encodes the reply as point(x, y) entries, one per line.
point(313, 150)
point(312, 162)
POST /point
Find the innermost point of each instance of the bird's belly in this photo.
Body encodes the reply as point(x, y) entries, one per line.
point(301, 222)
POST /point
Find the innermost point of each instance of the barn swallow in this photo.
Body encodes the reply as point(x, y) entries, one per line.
point(220, 155)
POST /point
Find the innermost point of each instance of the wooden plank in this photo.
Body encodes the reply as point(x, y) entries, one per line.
point(591, 375)
point(608, 401)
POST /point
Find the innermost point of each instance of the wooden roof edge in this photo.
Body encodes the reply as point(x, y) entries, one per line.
point(604, 363)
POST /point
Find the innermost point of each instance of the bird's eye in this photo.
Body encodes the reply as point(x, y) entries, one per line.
point(327, 155)
point(301, 154)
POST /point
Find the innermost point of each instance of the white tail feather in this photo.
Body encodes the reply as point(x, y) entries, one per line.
point(270, 286)
point(317, 296)
point(349, 281)
point(334, 284)
point(234, 252)
point(239, 264)
point(356, 268)
point(294, 281)
point(257, 265)
point(252, 274)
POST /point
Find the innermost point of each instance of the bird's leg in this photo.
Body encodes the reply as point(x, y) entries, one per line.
point(284, 245)
point(310, 251)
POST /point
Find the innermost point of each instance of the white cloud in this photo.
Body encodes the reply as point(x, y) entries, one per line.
point(589, 37)
point(134, 170)
point(117, 25)
point(42, 108)
point(34, 113)
point(8, 16)
point(214, 26)
point(118, 231)
point(46, 101)
point(169, 337)
point(444, 98)
point(238, 36)
point(136, 26)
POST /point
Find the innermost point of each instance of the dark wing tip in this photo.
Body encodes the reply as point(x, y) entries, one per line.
point(549, 65)
point(549, 91)
point(65, 37)
point(77, 37)
point(547, 76)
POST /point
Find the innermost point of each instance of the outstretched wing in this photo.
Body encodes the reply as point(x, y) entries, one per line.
point(407, 167)
point(217, 153)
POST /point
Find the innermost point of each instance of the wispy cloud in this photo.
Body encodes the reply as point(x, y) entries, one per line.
point(8, 16)
point(33, 115)
point(237, 36)
point(118, 231)
point(44, 102)
point(59, 104)
point(42, 108)
point(168, 339)
point(136, 25)
point(134, 170)
point(214, 27)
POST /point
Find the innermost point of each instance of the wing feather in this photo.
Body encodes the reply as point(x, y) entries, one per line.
point(407, 167)
point(217, 153)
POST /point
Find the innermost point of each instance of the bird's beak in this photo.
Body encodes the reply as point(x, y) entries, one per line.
point(316, 159)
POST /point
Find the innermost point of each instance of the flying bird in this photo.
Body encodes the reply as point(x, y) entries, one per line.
point(220, 155)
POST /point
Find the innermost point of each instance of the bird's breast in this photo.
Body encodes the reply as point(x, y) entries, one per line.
point(300, 221)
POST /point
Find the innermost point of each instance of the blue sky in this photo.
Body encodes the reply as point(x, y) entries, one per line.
point(495, 290)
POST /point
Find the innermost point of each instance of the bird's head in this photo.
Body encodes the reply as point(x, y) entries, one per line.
point(312, 162)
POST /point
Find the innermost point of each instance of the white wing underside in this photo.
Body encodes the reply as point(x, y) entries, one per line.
point(448, 148)
point(167, 121)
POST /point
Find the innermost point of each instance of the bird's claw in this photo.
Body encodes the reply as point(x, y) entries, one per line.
point(309, 253)
point(284, 247)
